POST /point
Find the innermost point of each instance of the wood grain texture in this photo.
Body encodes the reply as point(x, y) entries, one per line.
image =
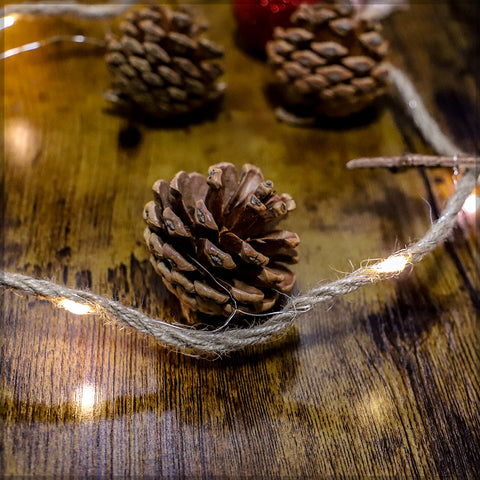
point(384, 382)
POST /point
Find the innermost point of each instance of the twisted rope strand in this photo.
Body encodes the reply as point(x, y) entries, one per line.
point(92, 12)
point(417, 110)
point(231, 339)
point(375, 11)
point(226, 340)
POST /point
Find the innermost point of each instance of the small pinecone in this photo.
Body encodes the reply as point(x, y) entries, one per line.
point(160, 66)
point(214, 242)
point(330, 62)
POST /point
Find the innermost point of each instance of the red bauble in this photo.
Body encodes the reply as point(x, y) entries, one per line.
point(256, 19)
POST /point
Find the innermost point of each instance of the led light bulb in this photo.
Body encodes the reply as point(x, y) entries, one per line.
point(393, 264)
point(75, 307)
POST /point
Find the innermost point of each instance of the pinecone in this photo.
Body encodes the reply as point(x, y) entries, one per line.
point(159, 66)
point(330, 62)
point(214, 242)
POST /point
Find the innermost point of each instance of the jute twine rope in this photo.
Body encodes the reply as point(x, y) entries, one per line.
point(371, 11)
point(71, 8)
point(225, 340)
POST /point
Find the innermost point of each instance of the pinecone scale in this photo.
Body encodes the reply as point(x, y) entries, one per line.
point(160, 65)
point(331, 62)
point(214, 240)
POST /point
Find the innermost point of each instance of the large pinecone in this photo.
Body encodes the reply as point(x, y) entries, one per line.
point(214, 242)
point(330, 62)
point(159, 66)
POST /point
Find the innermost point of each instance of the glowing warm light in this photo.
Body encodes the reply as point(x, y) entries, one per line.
point(393, 264)
point(377, 407)
point(85, 399)
point(22, 142)
point(75, 307)
point(472, 204)
point(7, 21)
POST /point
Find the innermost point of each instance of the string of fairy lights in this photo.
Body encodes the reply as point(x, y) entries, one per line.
point(389, 267)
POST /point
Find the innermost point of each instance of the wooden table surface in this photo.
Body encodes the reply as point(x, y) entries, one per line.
point(382, 382)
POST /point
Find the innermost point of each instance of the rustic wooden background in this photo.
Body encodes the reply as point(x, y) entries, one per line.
point(382, 382)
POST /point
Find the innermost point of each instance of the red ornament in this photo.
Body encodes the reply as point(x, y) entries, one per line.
point(256, 19)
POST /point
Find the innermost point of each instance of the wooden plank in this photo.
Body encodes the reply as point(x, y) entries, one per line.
point(383, 382)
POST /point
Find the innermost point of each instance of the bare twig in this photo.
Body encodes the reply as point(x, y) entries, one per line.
point(415, 160)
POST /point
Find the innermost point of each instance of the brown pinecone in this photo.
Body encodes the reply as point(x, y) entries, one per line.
point(214, 242)
point(160, 65)
point(330, 62)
